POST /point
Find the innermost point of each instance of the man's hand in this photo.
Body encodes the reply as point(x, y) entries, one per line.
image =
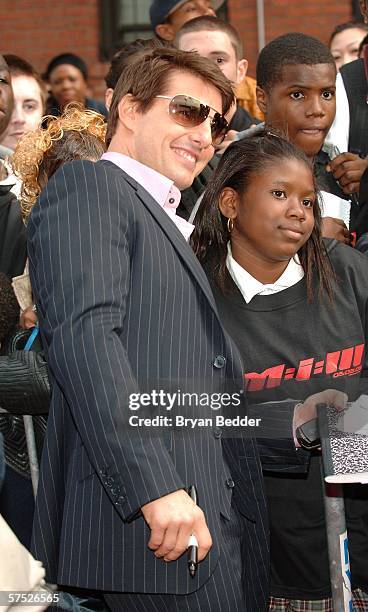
point(307, 410)
point(335, 228)
point(28, 318)
point(172, 520)
point(228, 140)
point(348, 168)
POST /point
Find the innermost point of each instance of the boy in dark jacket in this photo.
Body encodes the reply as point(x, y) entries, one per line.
point(296, 91)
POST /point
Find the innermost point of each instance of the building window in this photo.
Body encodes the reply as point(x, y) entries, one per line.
point(122, 21)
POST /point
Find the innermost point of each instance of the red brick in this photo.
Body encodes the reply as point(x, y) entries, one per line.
point(38, 30)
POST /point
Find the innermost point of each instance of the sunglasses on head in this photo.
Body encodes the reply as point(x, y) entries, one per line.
point(190, 112)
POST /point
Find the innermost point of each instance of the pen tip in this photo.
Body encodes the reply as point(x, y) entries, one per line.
point(192, 569)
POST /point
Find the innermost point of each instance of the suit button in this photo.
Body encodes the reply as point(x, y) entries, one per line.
point(109, 481)
point(217, 433)
point(219, 361)
point(230, 483)
point(120, 500)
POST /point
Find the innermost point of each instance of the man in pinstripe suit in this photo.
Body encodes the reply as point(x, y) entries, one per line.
point(125, 307)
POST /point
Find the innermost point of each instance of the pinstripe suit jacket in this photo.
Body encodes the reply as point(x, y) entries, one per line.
point(124, 306)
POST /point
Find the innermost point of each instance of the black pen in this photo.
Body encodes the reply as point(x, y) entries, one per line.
point(193, 542)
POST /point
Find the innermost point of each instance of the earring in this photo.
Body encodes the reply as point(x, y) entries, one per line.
point(230, 225)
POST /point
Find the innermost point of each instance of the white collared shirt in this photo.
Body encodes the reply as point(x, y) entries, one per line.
point(161, 188)
point(250, 286)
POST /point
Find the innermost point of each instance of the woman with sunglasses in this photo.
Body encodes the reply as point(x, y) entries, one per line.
point(290, 300)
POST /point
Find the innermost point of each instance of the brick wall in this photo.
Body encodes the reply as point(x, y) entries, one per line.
point(38, 30)
point(314, 17)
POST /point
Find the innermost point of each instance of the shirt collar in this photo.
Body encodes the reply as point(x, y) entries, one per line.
point(250, 286)
point(161, 188)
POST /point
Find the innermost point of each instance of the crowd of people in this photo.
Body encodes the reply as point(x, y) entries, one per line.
point(160, 254)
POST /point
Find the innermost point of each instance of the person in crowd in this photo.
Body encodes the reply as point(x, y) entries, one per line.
point(67, 76)
point(109, 295)
point(13, 252)
point(29, 101)
point(12, 232)
point(127, 54)
point(121, 60)
point(297, 297)
point(7, 105)
point(169, 16)
point(349, 133)
point(213, 38)
point(220, 42)
point(76, 134)
point(29, 104)
point(19, 571)
point(345, 41)
point(111, 211)
point(296, 91)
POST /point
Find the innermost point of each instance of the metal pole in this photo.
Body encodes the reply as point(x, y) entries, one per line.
point(337, 547)
point(261, 25)
point(32, 451)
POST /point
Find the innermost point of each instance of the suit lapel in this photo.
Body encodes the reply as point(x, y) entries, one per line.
point(186, 254)
point(178, 241)
point(169, 228)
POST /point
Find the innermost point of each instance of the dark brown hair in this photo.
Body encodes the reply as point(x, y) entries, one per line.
point(208, 22)
point(128, 54)
point(349, 25)
point(148, 77)
point(19, 66)
point(240, 162)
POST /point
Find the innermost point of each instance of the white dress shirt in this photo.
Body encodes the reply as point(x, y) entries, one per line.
point(250, 286)
point(161, 188)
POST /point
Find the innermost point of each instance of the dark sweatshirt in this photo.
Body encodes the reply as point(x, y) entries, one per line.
point(293, 348)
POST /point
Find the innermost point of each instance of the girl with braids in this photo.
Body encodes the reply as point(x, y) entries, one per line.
point(293, 303)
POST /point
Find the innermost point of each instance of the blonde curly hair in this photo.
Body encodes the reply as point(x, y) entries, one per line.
point(77, 134)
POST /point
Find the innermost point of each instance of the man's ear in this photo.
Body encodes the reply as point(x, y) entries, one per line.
point(128, 109)
point(108, 97)
point(228, 203)
point(165, 31)
point(262, 100)
point(241, 70)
